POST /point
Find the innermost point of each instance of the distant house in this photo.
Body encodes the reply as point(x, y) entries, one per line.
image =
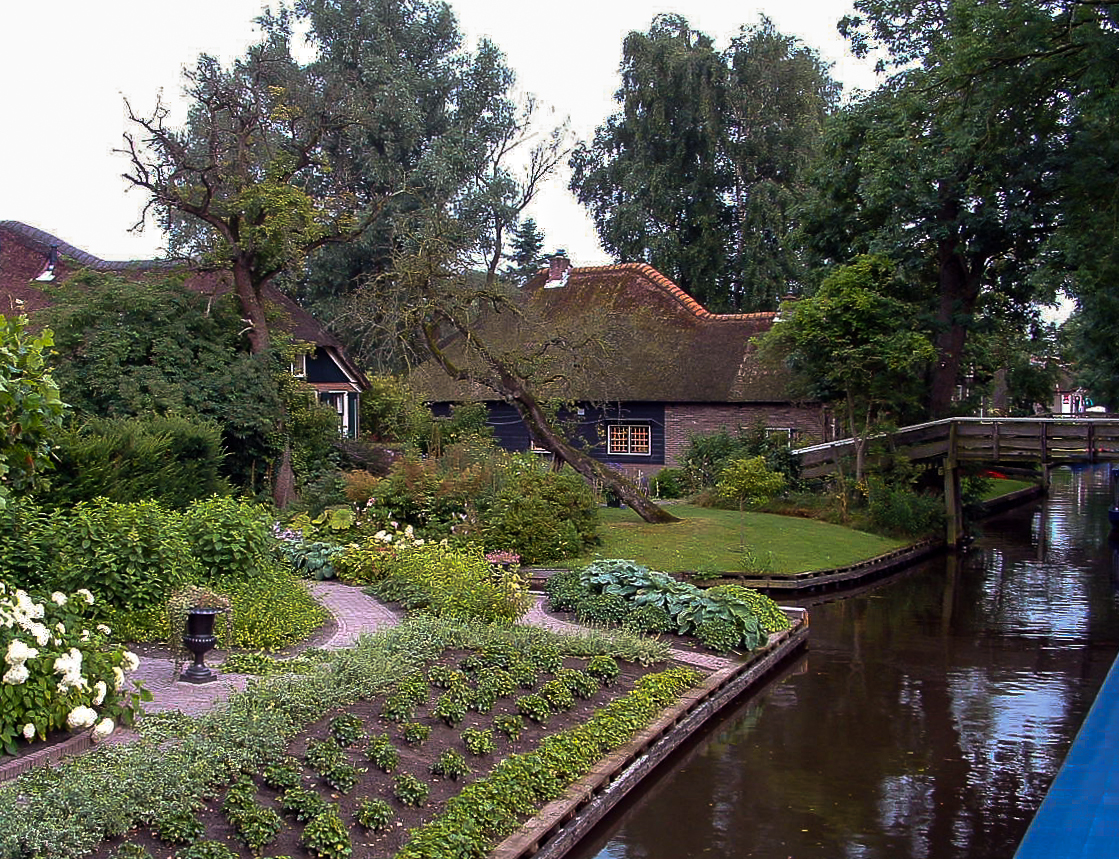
point(671, 369)
point(31, 258)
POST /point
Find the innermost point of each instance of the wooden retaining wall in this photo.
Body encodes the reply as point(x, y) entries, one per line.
point(560, 824)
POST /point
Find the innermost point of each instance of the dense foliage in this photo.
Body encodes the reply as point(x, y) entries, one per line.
point(171, 459)
point(159, 780)
point(700, 170)
point(30, 407)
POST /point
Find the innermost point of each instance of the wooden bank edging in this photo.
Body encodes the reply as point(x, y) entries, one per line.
point(560, 824)
point(1011, 499)
point(850, 574)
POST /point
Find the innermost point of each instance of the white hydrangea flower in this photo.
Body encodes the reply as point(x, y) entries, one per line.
point(103, 729)
point(118, 679)
point(40, 633)
point(29, 731)
point(85, 635)
point(100, 690)
point(59, 598)
point(130, 660)
point(18, 652)
point(104, 630)
point(60, 627)
point(27, 606)
point(81, 717)
point(16, 675)
point(85, 594)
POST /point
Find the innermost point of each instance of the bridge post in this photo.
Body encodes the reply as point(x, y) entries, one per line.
point(952, 498)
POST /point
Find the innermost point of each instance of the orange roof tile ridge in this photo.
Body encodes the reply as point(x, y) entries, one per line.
point(666, 284)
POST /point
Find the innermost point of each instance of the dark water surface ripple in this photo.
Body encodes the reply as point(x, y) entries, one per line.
point(928, 717)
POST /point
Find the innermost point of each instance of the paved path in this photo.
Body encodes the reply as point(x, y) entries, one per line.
point(355, 614)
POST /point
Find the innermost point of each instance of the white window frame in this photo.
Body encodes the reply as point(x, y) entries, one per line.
point(613, 450)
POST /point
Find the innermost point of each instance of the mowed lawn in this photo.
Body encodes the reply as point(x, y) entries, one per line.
point(711, 541)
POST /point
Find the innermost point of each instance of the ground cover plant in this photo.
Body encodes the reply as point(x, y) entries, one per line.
point(620, 592)
point(710, 541)
point(258, 777)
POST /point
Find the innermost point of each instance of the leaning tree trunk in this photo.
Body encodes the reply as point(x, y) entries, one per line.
point(546, 436)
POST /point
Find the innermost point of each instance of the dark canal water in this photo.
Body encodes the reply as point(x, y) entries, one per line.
point(926, 720)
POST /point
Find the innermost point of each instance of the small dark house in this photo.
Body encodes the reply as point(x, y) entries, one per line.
point(31, 258)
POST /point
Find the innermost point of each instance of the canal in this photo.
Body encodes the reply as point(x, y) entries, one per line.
point(927, 718)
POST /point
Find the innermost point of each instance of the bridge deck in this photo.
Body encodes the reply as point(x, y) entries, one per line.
point(1006, 440)
point(1079, 816)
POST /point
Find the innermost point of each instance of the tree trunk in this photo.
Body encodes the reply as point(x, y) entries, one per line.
point(252, 307)
point(958, 293)
point(542, 431)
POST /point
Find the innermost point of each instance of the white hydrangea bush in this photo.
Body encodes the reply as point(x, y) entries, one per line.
point(60, 669)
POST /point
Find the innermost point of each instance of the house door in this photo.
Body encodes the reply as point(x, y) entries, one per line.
point(339, 401)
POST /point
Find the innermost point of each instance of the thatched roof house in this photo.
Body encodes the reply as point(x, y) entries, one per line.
point(648, 365)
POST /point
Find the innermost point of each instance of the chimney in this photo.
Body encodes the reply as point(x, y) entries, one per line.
point(559, 266)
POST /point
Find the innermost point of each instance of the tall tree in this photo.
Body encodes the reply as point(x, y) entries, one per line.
point(953, 166)
point(526, 254)
point(698, 171)
point(854, 345)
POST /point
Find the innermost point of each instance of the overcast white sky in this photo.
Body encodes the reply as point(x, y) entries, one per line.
point(65, 66)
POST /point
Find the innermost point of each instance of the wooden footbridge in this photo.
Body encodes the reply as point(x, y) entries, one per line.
point(992, 441)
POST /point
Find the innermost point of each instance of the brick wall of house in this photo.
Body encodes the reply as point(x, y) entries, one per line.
point(683, 421)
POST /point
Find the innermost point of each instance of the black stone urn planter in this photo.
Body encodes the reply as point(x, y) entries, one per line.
point(200, 640)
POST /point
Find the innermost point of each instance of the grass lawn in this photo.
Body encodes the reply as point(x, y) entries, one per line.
point(1004, 486)
point(711, 540)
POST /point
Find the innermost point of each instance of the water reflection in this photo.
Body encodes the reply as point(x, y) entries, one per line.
point(928, 717)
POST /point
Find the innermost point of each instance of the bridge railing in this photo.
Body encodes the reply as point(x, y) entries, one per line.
point(1005, 440)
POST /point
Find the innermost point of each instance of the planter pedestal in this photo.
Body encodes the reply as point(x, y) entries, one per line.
point(200, 640)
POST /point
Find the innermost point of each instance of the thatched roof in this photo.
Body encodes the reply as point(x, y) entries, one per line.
point(654, 342)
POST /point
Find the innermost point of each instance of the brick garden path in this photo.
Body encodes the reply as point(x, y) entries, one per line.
point(354, 614)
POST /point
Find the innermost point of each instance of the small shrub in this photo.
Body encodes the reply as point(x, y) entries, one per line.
point(382, 753)
point(509, 724)
point(450, 764)
point(649, 619)
point(257, 826)
point(398, 706)
point(605, 609)
point(347, 729)
point(232, 539)
point(543, 515)
point(129, 555)
point(580, 683)
point(323, 753)
point(720, 635)
point(129, 850)
point(206, 850)
point(415, 733)
point(669, 483)
point(604, 668)
point(326, 836)
point(302, 803)
point(374, 814)
point(478, 742)
point(558, 695)
point(452, 705)
point(340, 776)
point(283, 774)
point(180, 827)
point(410, 790)
point(534, 707)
